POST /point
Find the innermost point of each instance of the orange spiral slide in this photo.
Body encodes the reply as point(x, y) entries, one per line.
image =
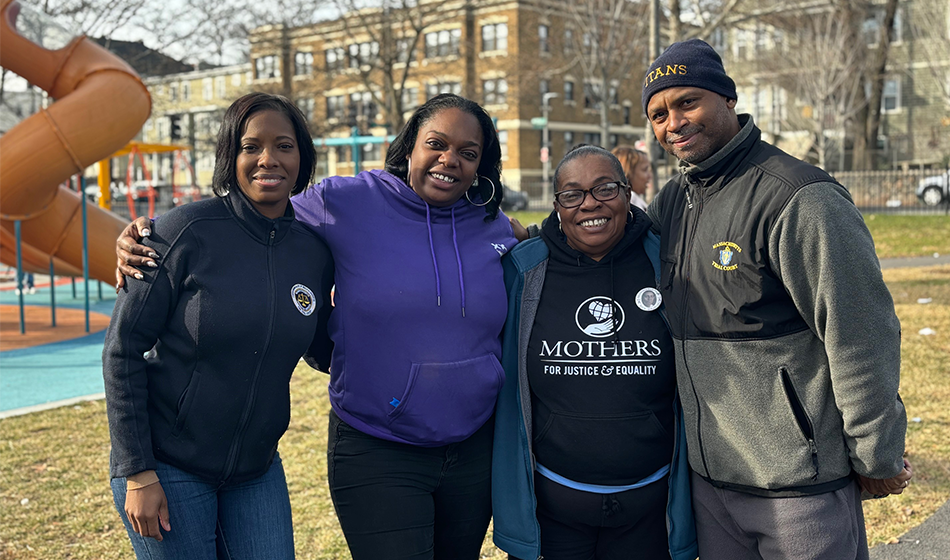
point(100, 105)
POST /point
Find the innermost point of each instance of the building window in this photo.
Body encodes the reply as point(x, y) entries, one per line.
point(543, 44)
point(336, 58)
point(891, 96)
point(871, 28)
point(220, 88)
point(443, 87)
point(495, 37)
point(503, 143)
point(303, 63)
point(592, 138)
point(343, 154)
point(403, 53)
point(267, 67)
point(305, 104)
point(186, 91)
point(372, 152)
point(568, 90)
point(613, 95)
point(410, 98)
point(568, 41)
point(443, 43)
point(173, 92)
point(362, 54)
point(236, 80)
point(362, 106)
point(741, 46)
point(336, 108)
point(613, 141)
point(568, 141)
point(626, 115)
point(718, 40)
point(591, 100)
point(207, 89)
point(495, 91)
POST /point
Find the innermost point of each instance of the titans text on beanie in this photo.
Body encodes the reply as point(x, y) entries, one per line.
point(690, 63)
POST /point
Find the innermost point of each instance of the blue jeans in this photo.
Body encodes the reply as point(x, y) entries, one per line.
point(246, 521)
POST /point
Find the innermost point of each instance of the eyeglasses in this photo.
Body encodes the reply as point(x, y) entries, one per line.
point(575, 197)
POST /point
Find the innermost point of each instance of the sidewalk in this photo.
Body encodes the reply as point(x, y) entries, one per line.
point(928, 541)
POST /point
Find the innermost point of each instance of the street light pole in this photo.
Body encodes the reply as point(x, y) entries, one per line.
point(546, 191)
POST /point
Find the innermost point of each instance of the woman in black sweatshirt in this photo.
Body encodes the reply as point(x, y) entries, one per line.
point(198, 357)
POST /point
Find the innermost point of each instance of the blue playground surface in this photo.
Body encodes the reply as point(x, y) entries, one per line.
point(57, 371)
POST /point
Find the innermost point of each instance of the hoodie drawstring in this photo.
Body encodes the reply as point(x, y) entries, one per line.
point(458, 259)
point(435, 262)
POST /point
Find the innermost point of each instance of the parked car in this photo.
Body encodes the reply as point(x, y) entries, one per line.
point(934, 190)
point(514, 201)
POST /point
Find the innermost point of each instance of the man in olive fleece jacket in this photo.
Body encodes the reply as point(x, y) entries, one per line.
point(786, 341)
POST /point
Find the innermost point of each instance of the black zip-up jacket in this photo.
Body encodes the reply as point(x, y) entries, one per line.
point(787, 344)
point(198, 357)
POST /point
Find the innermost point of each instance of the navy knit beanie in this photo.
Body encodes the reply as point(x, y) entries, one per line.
point(690, 63)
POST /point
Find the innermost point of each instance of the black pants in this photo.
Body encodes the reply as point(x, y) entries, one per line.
point(399, 501)
point(584, 526)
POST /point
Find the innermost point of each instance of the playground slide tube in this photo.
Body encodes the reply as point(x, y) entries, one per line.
point(101, 104)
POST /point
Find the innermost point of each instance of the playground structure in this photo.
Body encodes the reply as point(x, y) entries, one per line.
point(100, 105)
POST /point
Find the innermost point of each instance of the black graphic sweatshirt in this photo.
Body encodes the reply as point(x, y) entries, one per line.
point(600, 369)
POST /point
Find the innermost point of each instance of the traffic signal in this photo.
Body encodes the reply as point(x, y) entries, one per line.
point(175, 127)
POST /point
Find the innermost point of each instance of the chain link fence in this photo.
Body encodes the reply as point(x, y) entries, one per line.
point(895, 192)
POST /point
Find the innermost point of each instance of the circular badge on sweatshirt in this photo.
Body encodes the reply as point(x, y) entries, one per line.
point(303, 299)
point(649, 299)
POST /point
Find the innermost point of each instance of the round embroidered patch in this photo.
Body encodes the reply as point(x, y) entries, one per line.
point(303, 299)
point(649, 299)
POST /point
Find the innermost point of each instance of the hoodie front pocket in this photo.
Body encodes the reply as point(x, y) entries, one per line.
point(447, 402)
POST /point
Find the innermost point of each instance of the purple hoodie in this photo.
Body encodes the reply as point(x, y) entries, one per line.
point(420, 304)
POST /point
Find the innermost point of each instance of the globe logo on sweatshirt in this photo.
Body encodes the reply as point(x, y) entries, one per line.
point(303, 299)
point(599, 317)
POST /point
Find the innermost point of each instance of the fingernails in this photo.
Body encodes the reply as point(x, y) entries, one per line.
point(151, 264)
point(117, 287)
point(139, 275)
point(146, 232)
point(153, 255)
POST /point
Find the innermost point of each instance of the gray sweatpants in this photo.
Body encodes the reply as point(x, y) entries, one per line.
point(733, 525)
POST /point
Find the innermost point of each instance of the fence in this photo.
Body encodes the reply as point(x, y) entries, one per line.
point(893, 192)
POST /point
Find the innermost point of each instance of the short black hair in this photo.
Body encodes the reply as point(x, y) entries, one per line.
point(232, 127)
point(582, 150)
point(490, 164)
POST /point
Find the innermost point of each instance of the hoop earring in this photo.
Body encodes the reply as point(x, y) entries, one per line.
point(558, 214)
point(630, 212)
point(475, 184)
point(408, 171)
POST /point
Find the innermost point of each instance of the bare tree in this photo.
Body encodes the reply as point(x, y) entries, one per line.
point(868, 120)
point(610, 44)
point(818, 66)
point(388, 36)
point(930, 28)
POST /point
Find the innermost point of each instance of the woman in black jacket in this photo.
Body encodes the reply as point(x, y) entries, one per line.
point(198, 358)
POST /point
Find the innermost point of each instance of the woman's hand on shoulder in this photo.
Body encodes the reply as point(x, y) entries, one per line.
point(521, 233)
point(147, 510)
point(130, 254)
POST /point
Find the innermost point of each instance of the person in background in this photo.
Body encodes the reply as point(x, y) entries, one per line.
point(198, 357)
point(420, 305)
point(787, 344)
point(589, 460)
point(636, 168)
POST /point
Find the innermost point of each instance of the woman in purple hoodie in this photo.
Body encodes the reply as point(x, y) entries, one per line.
point(420, 305)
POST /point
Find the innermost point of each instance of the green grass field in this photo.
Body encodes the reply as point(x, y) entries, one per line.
point(55, 500)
